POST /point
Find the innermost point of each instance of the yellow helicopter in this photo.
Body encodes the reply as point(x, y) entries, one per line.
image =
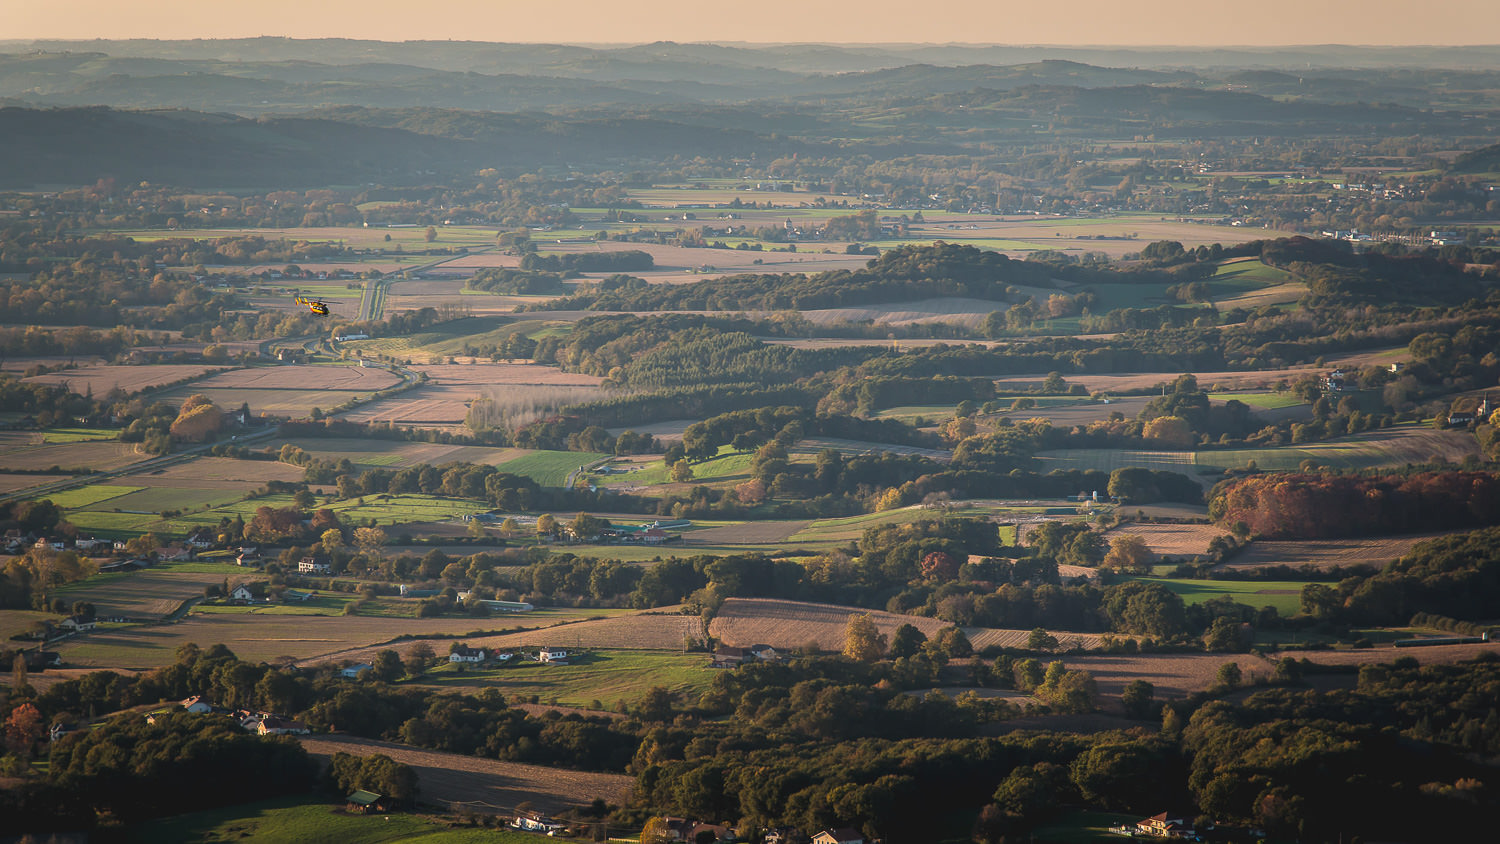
point(313, 305)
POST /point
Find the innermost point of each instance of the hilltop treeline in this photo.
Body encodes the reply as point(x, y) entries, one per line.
point(1303, 506)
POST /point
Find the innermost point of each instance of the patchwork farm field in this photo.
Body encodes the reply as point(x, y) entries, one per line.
point(21, 451)
point(1284, 595)
point(1326, 553)
point(153, 593)
point(286, 390)
point(101, 379)
point(259, 637)
point(788, 625)
point(1171, 539)
point(1173, 675)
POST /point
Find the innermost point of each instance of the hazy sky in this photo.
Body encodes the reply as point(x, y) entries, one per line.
point(1185, 22)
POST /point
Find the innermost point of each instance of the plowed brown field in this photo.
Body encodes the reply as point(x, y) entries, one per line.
point(792, 624)
point(483, 785)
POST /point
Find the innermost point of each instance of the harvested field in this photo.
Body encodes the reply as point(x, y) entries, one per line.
point(96, 456)
point(743, 622)
point(151, 594)
point(217, 471)
point(667, 431)
point(984, 637)
point(1431, 655)
point(1326, 553)
point(378, 632)
point(1110, 459)
point(13, 483)
point(1174, 675)
point(746, 533)
point(793, 624)
point(131, 379)
point(484, 785)
point(257, 637)
point(1171, 540)
point(451, 388)
point(659, 629)
point(296, 377)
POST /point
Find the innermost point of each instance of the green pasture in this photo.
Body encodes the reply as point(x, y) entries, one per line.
point(1264, 401)
point(1284, 595)
point(293, 820)
point(406, 507)
point(549, 468)
point(602, 675)
point(158, 499)
point(728, 464)
point(77, 435)
point(1082, 826)
point(84, 496)
point(1243, 275)
point(852, 527)
point(448, 338)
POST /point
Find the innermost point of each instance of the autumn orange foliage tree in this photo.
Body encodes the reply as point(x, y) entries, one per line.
point(1306, 506)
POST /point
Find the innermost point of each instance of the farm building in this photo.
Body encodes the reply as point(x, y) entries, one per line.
point(464, 653)
point(352, 672)
point(196, 704)
point(552, 655)
point(77, 624)
point(366, 803)
point(311, 565)
point(536, 822)
point(274, 726)
point(841, 835)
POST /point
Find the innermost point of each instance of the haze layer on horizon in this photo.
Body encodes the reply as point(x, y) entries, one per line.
point(1079, 22)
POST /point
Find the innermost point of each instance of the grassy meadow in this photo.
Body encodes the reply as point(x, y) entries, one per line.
point(604, 675)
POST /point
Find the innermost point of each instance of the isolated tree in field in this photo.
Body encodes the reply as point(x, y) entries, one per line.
point(430, 235)
point(1041, 640)
point(681, 472)
point(1128, 552)
point(1137, 698)
point(1229, 676)
point(939, 566)
point(475, 529)
point(369, 539)
point(907, 641)
point(863, 641)
point(510, 527)
point(304, 499)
